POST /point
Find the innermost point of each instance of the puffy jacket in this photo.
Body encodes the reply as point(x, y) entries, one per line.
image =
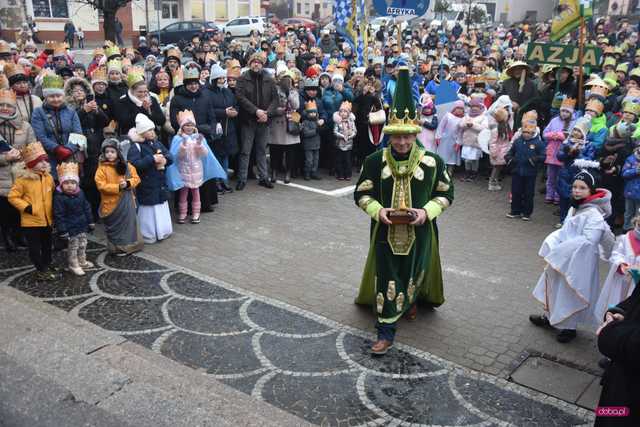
point(631, 176)
point(108, 183)
point(153, 187)
point(568, 171)
point(189, 159)
point(200, 104)
point(470, 134)
point(598, 133)
point(35, 190)
point(331, 100)
point(527, 155)
point(71, 212)
point(221, 99)
point(22, 134)
point(66, 121)
point(256, 92)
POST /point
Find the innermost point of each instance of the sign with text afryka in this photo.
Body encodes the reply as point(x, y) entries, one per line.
point(401, 7)
point(562, 54)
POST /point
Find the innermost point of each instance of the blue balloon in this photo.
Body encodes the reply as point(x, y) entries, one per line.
point(401, 7)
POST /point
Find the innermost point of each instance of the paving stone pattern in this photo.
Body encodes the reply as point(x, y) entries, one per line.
point(303, 363)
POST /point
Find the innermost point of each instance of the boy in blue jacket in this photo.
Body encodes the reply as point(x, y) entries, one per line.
point(526, 153)
point(631, 175)
point(72, 216)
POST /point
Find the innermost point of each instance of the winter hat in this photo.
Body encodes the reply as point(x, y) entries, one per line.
point(33, 153)
point(68, 171)
point(217, 73)
point(588, 173)
point(52, 85)
point(583, 124)
point(110, 143)
point(143, 124)
point(337, 77)
point(185, 117)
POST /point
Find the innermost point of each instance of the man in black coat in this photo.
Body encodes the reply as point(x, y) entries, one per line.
point(619, 340)
point(520, 88)
point(191, 96)
point(258, 99)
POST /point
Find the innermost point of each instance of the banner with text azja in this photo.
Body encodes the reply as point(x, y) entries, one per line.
point(562, 54)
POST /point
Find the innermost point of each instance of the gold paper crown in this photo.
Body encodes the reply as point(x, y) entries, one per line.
point(346, 105)
point(175, 53)
point(402, 124)
point(98, 51)
point(568, 103)
point(32, 151)
point(7, 96)
point(186, 116)
point(112, 51)
point(114, 64)
point(530, 117)
point(60, 49)
point(135, 75)
point(50, 45)
point(99, 75)
point(67, 170)
point(11, 69)
point(631, 107)
point(4, 47)
point(311, 105)
point(596, 105)
point(599, 90)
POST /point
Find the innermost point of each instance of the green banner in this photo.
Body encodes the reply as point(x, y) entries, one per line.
point(563, 54)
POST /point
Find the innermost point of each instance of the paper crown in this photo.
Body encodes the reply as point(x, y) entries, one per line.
point(52, 82)
point(622, 68)
point(4, 47)
point(114, 65)
point(50, 45)
point(403, 118)
point(530, 117)
point(60, 49)
point(135, 75)
point(596, 81)
point(174, 53)
point(594, 104)
point(609, 62)
point(311, 105)
point(112, 51)
point(68, 171)
point(32, 151)
point(14, 73)
point(599, 90)
point(7, 96)
point(568, 104)
point(191, 73)
point(186, 116)
point(98, 51)
point(99, 75)
point(631, 107)
point(346, 105)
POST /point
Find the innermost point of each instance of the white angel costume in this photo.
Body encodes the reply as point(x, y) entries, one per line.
point(618, 286)
point(569, 285)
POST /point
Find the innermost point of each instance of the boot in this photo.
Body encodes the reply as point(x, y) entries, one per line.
point(74, 265)
point(274, 175)
point(82, 261)
point(287, 177)
point(226, 188)
point(492, 185)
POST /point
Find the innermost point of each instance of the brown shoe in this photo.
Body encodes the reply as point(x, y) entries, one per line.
point(412, 314)
point(381, 347)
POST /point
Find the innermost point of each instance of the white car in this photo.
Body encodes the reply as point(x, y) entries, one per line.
point(243, 26)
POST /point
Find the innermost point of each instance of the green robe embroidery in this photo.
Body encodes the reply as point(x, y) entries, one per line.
point(403, 263)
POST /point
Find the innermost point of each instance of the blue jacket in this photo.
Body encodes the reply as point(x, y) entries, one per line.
point(527, 155)
point(631, 178)
point(71, 213)
point(153, 186)
point(221, 99)
point(42, 122)
point(568, 171)
point(331, 100)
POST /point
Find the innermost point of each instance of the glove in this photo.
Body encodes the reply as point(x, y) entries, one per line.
point(28, 210)
point(62, 153)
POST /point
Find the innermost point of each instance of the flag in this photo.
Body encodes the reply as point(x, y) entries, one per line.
point(446, 95)
point(345, 20)
point(567, 17)
point(363, 41)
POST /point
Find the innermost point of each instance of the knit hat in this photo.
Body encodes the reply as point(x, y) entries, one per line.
point(110, 143)
point(68, 171)
point(337, 78)
point(33, 153)
point(143, 124)
point(583, 124)
point(217, 73)
point(52, 84)
point(185, 117)
point(588, 173)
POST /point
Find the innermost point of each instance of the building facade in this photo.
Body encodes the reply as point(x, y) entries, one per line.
point(51, 15)
point(312, 9)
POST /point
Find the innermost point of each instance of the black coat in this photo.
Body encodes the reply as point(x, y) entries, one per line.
point(106, 104)
point(200, 105)
point(115, 91)
point(221, 99)
point(620, 341)
point(256, 92)
point(126, 112)
point(72, 213)
point(153, 186)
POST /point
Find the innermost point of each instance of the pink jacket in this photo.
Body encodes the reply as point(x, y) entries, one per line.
point(470, 134)
point(498, 147)
point(190, 160)
point(554, 136)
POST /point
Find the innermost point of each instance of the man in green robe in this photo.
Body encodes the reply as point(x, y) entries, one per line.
point(403, 264)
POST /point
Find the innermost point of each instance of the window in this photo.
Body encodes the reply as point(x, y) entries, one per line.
point(50, 8)
point(221, 9)
point(170, 9)
point(241, 22)
point(244, 8)
point(299, 8)
point(197, 9)
point(172, 27)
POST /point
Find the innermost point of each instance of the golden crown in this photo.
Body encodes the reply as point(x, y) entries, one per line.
point(68, 170)
point(135, 75)
point(599, 90)
point(32, 151)
point(50, 44)
point(186, 116)
point(112, 51)
point(174, 52)
point(99, 75)
point(402, 124)
point(568, 103)
point(7, 96)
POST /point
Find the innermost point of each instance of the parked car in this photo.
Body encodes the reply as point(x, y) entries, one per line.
point(299, 22)
point(183, 31)
point(243, 26)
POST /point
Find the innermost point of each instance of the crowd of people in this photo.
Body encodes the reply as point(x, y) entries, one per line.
point(111, 140)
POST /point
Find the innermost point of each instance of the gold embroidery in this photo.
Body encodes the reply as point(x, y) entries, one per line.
point(411, 289)
point(400, 302)
point(365, 185)
point(442, 201)
point(418, 174)
point(391, 290)
point(442, 186)
point(364, 202)
point(379, 302)
point(386, 172)
point(446, 175)
point(401, 236)
point(428, 161)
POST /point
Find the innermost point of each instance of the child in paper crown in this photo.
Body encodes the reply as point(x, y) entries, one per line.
point(73, 217)
point(195, 165)
point(345, 131)
point(499, 144)
point(631, 176)
point(310, 136)
point(554, 134)
point(429, 122)
point(526, 153)
point(32, 196)
point(150, 158)
point(575, 147)
point(569, 286)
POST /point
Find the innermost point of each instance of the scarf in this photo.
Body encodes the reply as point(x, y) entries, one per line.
point(598, 123)
point(8, 128)
point(26, 102)
point(133, 99)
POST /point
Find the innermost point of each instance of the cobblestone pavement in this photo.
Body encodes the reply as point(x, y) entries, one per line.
point(313, 367)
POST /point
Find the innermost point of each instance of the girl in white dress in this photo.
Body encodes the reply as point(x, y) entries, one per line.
point(569, 285)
